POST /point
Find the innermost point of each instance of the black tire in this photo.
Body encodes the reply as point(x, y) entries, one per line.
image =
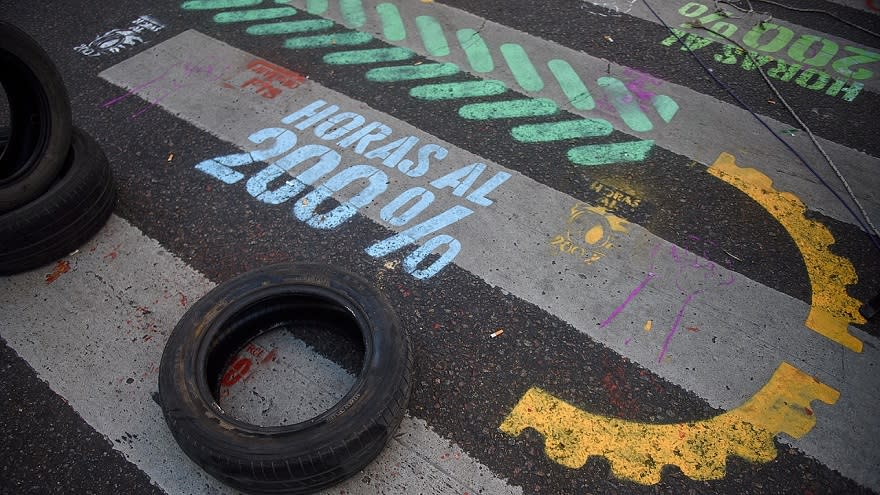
point(307, 456)
point(73, 210)
point(40, 119)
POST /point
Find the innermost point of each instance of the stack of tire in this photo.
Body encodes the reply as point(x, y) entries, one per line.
point(56, 189)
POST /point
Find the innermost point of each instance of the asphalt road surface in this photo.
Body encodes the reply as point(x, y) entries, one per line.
point(629, 239)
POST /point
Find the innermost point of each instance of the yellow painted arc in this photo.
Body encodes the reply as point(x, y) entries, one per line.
point(832, 310)
point(638, 451)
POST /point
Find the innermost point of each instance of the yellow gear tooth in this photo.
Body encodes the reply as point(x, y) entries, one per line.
point(638, 451)
point(832, 310)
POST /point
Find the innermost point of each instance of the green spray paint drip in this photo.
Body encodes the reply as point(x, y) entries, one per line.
point(327, 40)
point(217, 4)
point(353, 12)
point(557, 131)
point(392, 24)
point(571, 84)
point(626, 104)
point(317, 7)
point(666, 107)
point(411, 72)
point(432, 36)
point(604, 154)
point(369, 56)
point(475, 48)
point(254, 15)
point(453, 91)
point(510, 109)
point(289, 27)
point(521, 66)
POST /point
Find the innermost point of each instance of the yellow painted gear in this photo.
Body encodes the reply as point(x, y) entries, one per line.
point(638, 451)
point(832, 310)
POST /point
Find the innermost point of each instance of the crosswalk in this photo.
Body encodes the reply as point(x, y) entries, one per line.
point(433, 145)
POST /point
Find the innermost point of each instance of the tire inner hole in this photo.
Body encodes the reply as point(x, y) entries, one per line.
point(285, 361)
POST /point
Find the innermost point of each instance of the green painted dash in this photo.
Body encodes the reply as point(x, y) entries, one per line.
point(571, 84)
point(665, 106)
point(452, 91)
point(475, 48)
point(532, 107)
point(317, 7)
point(369, 56)
point(289, 27)
point(353, 12)
point(603, 154)
point(557, 131)
point(254, 15)
point(217, 4)
point(521, 66)
point(411, 72)
point(392, 23)
point(349, 38)
point(625, 103)
point(432, 36)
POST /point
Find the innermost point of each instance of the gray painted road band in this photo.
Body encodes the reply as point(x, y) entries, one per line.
point(669, 12)
point(747, 329)
point(96, 335)
point(703, 128)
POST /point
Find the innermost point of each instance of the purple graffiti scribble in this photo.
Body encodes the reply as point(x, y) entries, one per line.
point(685, 263)
point(675, 325)
point(639, 82)
point(629, 298)
point(189, 73)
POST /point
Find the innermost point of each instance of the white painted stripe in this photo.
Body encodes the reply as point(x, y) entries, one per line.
point(96, 336)
point(703, 128)
point(747, 328)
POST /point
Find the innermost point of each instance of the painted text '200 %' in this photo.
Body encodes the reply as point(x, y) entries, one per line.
point(314, 162)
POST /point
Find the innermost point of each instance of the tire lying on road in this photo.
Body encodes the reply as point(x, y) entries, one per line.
point(63, 218)
point(303, 457)
point(40, 132)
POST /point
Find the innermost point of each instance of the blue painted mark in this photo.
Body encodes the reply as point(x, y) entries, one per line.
point(389, 212)
point(328, 160)
point(413, 234)
point(305, 209)
point(221, 167)
point(411, 262)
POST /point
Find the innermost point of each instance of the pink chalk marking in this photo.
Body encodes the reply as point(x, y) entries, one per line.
point(189, 70)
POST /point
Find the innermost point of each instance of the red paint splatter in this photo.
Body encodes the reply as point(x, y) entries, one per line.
point(62, 267)
point(681, 434)
point(693, 329)
point(183, 299)
point(617, 396)
point(112, 255)
point(808, 411)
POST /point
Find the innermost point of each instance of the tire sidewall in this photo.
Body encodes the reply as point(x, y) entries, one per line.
point(185, 395)
point(34, 172)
